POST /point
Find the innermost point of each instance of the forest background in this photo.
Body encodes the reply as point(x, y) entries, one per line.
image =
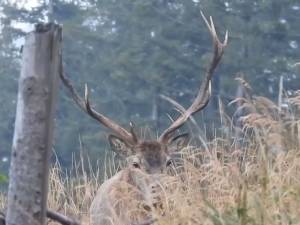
point(130, 52)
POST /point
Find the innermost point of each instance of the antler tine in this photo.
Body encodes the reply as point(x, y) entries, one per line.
point(204, 92)
point(85, 105)
point(134, 136)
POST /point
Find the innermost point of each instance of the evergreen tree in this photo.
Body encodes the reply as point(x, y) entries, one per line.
point(130, 51)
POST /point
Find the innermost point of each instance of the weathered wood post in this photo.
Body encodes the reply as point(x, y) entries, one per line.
point(32, 142)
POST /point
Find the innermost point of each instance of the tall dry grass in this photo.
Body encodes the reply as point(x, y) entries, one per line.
point(249, 174)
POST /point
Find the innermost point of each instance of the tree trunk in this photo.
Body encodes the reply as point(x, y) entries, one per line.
point(32, 142)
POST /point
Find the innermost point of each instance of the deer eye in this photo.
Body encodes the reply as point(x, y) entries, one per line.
point(169, 162)
point(136, 165)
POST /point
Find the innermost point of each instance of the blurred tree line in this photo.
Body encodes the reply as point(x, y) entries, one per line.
point(131, 51)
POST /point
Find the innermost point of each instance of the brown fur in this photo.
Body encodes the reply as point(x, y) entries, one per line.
point(129, 196)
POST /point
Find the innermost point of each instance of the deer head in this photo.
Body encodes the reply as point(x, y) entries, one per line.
point(154, 156)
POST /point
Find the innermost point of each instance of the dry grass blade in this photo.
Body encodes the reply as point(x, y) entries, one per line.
point(254, 183)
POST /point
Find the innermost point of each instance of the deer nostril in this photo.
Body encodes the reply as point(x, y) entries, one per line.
point(169, 162)
point(136, 165)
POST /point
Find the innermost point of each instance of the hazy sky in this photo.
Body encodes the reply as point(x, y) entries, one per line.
point(27, 4)
point(26, 27)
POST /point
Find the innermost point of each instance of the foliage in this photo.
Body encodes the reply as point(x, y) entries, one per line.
point(130, 51)
point(3, 178)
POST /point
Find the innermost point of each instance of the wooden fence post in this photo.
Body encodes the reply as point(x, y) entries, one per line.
point(32, 142)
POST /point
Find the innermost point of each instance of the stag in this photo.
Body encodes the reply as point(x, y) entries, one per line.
point(146, 159)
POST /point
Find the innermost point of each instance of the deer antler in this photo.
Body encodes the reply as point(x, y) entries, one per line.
point(85, 105)
point(204, 93)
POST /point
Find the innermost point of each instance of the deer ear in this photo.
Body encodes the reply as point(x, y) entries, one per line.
point(180, 141)
point(119, 146)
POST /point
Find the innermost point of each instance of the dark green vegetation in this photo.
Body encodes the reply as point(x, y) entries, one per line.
point(130, 51)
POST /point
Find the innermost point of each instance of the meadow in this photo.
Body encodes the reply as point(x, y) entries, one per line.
point(247, 174)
